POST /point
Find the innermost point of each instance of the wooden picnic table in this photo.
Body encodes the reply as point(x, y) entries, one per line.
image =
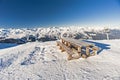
point(72, 45)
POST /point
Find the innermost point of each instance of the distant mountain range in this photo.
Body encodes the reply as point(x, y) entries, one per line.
point(24, 35)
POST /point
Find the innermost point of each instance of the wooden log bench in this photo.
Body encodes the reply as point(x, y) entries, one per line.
point(70, 51)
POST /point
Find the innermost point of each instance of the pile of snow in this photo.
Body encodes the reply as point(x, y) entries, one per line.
point(53, 33)
point(44, 61)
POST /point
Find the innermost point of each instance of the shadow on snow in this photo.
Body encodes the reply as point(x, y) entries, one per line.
point(102, 46)
point(7, 45)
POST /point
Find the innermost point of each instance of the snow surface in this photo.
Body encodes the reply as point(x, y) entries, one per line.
point(44, 61)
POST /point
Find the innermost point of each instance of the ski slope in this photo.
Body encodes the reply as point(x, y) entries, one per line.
point(44, 61)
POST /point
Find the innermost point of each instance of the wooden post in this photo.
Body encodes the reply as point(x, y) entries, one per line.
point(94, 50)
point(66, 43)
point(79, 51)
point(57, 44)
point(62, 41)
point(84, 56)
point(69, 44)
point(60, 47)
point(62, 50)
point(69, 56)
point(87, 51)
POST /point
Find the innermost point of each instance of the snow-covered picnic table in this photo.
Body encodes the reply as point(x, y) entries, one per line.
point(82, 48)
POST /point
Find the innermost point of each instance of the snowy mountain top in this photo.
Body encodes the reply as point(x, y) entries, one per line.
point(53, 33)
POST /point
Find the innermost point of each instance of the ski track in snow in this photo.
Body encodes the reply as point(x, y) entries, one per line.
point(44, 61)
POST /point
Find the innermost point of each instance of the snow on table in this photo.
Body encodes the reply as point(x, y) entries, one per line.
point(78, 42)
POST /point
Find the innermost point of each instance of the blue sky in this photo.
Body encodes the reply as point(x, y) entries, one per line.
point(29, 13)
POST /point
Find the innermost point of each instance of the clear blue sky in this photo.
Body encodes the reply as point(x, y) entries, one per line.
point(14, 13)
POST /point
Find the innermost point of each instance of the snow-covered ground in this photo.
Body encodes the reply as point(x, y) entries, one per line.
point(44, 61)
